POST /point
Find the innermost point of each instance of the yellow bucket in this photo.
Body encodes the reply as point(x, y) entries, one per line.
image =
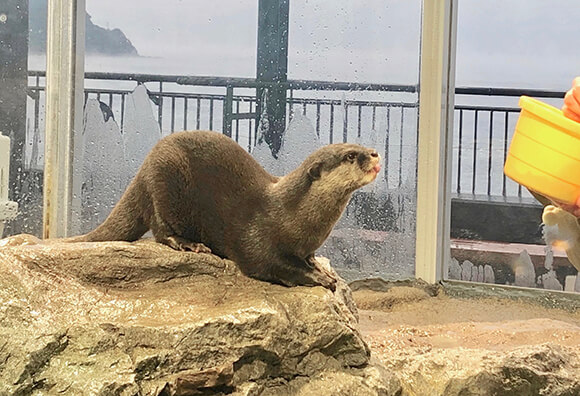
point(544, 154)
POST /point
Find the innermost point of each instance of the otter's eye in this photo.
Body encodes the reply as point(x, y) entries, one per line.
point(350, 157)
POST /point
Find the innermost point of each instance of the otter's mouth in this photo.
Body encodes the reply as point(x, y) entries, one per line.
point(374, 164)
point(374, 170)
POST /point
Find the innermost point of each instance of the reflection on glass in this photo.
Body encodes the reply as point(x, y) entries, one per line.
point(496, 224)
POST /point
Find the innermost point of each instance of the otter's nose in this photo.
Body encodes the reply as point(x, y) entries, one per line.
point(374, 154)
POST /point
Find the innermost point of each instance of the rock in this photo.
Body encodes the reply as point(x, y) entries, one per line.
point(480, 276)
point(549, 260)
point(474, 273)
point(386, 301)
point(547, 369)
point(100, 166)
point(569, 283)
point(365, 383)
point(532, 370)
point(140, 132)
point(454, 269)
point(488, 275)
point(466, 270)
point(550, 281)
point(300, 139)
point(524, 270)
point(99, 40)
point(118, 318)
point(381, 285)
point(449, 346)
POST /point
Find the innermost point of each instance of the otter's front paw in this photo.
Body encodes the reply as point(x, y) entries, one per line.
point(321, 274)
point(322, 278)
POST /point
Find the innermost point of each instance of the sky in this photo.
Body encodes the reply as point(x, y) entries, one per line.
point(509, 43)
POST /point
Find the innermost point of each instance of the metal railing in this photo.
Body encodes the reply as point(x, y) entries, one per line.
point(485, 120)
point(340, 111)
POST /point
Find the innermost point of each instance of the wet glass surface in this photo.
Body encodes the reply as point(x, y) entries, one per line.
point(509, 49)
point(332, 73)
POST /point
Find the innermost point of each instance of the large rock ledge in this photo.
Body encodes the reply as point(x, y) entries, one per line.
point(444, 346)
point(120, 318)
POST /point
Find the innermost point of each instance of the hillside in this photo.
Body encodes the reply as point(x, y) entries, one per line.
point(98, 39)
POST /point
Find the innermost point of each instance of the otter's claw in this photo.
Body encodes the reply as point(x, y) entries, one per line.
point(326, 281)
point(319, 274)
point(322, 278)
point(185, 245)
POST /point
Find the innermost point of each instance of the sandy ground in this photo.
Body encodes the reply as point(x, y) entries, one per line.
point(406, 317)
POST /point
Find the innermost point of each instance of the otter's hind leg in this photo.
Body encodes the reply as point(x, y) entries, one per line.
point(166, 235)
point(170, 221)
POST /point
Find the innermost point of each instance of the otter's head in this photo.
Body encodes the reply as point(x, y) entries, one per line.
point(343, 166)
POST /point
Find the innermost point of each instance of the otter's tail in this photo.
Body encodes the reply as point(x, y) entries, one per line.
point(126, 222)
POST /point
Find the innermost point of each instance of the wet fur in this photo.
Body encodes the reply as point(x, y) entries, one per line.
point(201, 190)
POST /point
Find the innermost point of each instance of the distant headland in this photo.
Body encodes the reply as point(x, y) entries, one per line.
point(99, 40)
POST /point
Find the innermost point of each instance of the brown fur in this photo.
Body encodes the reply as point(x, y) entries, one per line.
point(200, 191)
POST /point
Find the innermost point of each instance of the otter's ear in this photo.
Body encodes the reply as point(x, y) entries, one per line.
point(315, 170)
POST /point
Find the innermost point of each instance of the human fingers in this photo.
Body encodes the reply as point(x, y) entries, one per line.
point(576, 89)
point(577, 203)
point(570, 208)
point(571, 106)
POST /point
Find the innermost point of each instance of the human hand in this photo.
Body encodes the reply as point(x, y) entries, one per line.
point(571, 110)
point(571, 208)
point(545, 200)
point(571, 106)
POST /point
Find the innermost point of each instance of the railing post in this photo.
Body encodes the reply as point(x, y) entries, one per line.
point(160, 108)
point(228, 110)
point(272, 67)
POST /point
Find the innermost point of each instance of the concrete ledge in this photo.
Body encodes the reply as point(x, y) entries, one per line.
point(495, 219)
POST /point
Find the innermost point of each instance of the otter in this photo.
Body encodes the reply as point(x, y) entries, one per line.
point(200, 191)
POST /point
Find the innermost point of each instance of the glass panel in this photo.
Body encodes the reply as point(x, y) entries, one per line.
point(172, 37)
point(505, 50)
point(370, 56)
point(21, 124)
point(137, 90)
point(322, 72)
